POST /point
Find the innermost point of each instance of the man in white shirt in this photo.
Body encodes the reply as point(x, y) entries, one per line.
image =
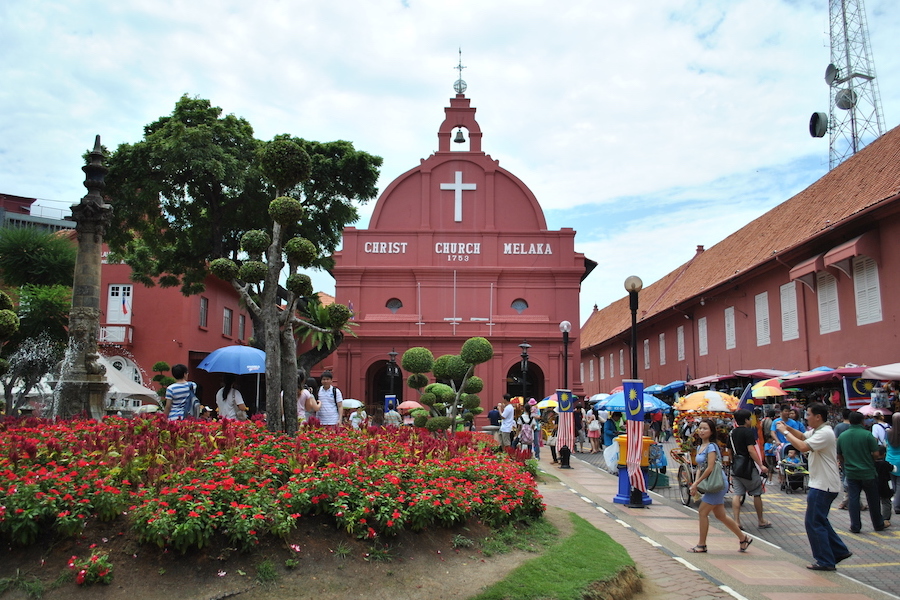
point(828, 548)
point(331, 401)
point(507, 422)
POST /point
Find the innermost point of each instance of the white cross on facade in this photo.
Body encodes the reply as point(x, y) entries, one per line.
point(458, 187)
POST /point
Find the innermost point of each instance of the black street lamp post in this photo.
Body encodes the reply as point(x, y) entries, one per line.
point(392, 369)
point(524, 368)
point(633, 284)
point(565, 327)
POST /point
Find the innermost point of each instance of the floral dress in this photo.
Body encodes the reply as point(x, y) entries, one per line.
point(702, 457)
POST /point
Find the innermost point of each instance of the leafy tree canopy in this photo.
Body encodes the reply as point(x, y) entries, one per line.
point(187, 192)
point(31, 256)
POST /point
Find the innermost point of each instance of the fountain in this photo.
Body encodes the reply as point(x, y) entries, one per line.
point(82, 385)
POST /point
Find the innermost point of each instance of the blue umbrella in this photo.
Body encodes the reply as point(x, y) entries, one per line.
point(616, 403)
point(653, 389)
point(240, 360)
point(675, 386)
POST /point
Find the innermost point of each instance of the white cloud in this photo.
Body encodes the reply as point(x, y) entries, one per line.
point(631, 112)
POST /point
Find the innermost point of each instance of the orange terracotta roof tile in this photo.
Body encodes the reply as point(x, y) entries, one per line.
point(869, 178)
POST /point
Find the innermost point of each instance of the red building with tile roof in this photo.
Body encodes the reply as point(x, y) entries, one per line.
point(458, 247)
point(811, 282)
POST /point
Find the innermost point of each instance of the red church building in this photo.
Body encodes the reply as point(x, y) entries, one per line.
point(458, 247)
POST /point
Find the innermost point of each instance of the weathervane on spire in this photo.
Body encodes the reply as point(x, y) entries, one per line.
point(460, 85)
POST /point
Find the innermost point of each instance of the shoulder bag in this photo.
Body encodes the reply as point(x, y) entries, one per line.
point(743, 464)
point(715, 482)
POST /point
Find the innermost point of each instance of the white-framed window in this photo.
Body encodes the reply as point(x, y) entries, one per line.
point(227, 320)
point(242, 326)
point(763, 337)
point(679, 338)
point(702, 341)
point(621, 361)
point(602, 367)
point(829, 316)
point(646, 354)
point(867, 290)
point(204, 311)
point(612, 368)
point(730, 338)
point(591, 368)
point(662, 349)
point(790, 322)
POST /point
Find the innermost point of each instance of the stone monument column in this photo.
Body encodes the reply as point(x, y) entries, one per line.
point(82, 382)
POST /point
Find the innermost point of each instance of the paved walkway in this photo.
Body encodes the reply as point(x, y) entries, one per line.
point(658, 538)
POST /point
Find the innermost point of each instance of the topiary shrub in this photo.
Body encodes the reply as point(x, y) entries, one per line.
point(439, 407)
point(417, 381)
point(470, 401)
point(299, 284)
point(476, 350)
point(253, 271)
point(6, 302)
point(285, 163)
point(224, 268)
point(338, 315)
point(427, 399)
point(417, 360)
point(420, 420)
point(436, 424)
point(300, 251)
point(255, 242)
point(9, 323)
point(442, 391)
point(474, 385)
point(286, 210)
point(450, 367)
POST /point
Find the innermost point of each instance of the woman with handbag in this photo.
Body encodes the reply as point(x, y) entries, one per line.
point(710, 481)
point(593, 430)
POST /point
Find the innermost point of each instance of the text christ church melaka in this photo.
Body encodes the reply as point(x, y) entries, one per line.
point(459, 247)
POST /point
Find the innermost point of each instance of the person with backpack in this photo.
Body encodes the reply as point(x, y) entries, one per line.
point(331, 402)
point(181, 395)
point(526, 422)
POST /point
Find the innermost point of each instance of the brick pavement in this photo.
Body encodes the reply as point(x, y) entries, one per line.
point(658, 539)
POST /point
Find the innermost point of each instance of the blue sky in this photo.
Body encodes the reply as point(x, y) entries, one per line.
point(649, 126)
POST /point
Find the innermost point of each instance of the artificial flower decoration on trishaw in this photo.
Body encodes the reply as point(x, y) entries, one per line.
point(708, 400)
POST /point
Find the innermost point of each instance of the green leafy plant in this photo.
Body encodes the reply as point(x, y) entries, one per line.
point(266, 572)
point(96, 569)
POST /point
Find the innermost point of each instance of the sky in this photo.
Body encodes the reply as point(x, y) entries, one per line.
point(648, 126)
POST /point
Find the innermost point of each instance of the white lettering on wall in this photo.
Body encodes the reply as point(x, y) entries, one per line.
point(385, 247)
point(517, 248)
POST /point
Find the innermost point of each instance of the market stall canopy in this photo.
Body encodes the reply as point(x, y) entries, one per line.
point(889, 372)
point(760, 373)
point(701, 381)
point(825, 376)
point(653, 389)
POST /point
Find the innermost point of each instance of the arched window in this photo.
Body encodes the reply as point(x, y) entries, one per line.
point(394, 305)
point(519, 305)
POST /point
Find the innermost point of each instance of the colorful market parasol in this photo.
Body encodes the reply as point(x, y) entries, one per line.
point(870, 410)
point(616, 403)
point(708, 401)
point(410, 405)
point(767, 388)
point(548, 402)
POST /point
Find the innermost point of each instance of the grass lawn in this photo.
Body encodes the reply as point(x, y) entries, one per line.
point(566, 569)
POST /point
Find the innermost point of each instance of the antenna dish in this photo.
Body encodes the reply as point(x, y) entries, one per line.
point(831, 73)
point(818, 124)
point(845, 99)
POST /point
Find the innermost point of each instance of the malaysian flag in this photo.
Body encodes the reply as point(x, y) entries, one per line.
point(565, 431)
point(858, 392)
point(634, 430)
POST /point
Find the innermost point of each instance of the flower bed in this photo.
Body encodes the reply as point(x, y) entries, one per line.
point(179, 483)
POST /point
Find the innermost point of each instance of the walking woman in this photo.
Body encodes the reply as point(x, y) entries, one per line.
point(712, 502)
point(893, 457)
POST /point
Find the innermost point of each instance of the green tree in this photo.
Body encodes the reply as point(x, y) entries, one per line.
point(198, 183)
point(31, 256)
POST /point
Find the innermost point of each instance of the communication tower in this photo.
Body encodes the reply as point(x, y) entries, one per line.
point(854, 116)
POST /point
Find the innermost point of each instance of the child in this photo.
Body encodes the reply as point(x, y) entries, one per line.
point(792, 457)
point(883, 471)
point(769, 449)
point(551, 441)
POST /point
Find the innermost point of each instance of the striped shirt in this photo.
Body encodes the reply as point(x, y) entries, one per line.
point(181, 395)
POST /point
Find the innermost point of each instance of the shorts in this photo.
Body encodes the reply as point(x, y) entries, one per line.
point(752, 486)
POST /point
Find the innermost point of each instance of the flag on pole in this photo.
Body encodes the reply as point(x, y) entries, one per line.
point(634, 430)
point(124, 305)
point(565, 427)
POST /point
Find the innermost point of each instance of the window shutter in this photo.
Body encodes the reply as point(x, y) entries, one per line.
point(680, 340)
point(646, 354)
point(602, 367)
point(868, 290)
point(702, 342)
point(829, 315)
point(762, 319)
point(790, 323)
point(662, 349)
point(730, 339)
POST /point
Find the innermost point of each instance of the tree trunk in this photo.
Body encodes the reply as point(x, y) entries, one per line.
point(289, 384)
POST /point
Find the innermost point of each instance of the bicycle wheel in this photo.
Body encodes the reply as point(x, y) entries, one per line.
point(684, 484)
point(652, 479)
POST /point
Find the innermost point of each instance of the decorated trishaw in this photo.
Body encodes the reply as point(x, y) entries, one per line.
point(690, 410)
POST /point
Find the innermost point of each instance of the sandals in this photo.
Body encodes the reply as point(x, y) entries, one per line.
point(765, 526)
point(745, 543)
point(698, 549)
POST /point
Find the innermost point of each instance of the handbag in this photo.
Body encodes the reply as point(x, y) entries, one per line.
point(594, 425)
point(715, 482)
